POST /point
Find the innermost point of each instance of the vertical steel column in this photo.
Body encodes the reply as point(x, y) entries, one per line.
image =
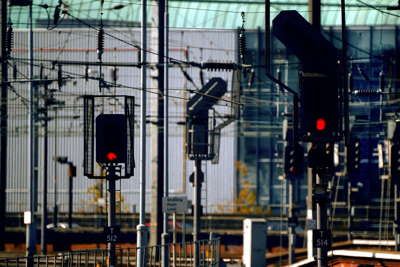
point(322, 222)
point(43, 240)
point(397, 217)
point(291, 228)
point(55, 208)
point(111, 213)
point(157, 131)
point(314, 7)
point(310, 205)
point(267, 61)
point(344, 71)
point(165, 235)
point(31, 227)
point(70, 185)
point(196, 212)
point(3, 120)
point(142, 230)
point(349, 215)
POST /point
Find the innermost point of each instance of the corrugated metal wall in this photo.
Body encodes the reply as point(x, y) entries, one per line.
point(65, 124)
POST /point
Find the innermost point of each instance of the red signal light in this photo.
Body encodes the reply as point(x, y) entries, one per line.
point(111, 156)
point(320, 124)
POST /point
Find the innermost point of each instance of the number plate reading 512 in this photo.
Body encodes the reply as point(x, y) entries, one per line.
point(322, 238)
point(112, 234)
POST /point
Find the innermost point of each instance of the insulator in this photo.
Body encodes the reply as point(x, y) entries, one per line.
point(100, 42)
point(363, 74)
point(351, 82)
point(56, 14)
point(15, 71)
point(41, 72)
point(87, 73)
point(367, 92)
point(251, 78)
point(210, 65)
point(242, 46)
point(140, 58)
point(9, 38)
point(59, 76)
point(201, 77)
point(118, 7)
point(114, 75)
point(382, 81)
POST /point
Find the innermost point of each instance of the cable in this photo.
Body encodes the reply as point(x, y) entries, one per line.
point(135, 88)
point(60, 79)
point(377, 9)
point(186, 74)
point(137, 46)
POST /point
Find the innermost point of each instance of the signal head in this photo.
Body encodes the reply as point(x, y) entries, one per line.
point(320, 124)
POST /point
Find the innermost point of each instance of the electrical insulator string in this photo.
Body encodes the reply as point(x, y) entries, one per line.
point(9, 38)
point(100, 41)
point(100, 44)
point(242, 42)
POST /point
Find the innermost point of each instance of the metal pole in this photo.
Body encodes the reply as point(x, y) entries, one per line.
point(322, 222)
point(157, 130)
point(165, 235)
point(43, 240)
point(70, 201)
point(55, 208)
point(196, 212)
point(310, 215)
point(349, 215)
point(344, 71)
point(142, 228)
point(314, 7)
point(183, 227)
point(174, 239)
point(31, 227)
point(3, 140)
point(267, 36)
point(397, 217)
point(292, 228)
point(111, 213)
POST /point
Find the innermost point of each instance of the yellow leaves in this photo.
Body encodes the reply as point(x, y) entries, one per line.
point(97, 200)
point(241, 168)
point(247, 201)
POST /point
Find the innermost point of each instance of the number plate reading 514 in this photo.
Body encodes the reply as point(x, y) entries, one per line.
point(322, 238)
point(112, 234)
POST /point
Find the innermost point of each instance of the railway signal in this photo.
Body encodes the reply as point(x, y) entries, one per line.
point(354, 155)
point(111, 138)
point(198, 120)
point(294, 156)
point(319, 101)
point(395, 161)
point(318, 80)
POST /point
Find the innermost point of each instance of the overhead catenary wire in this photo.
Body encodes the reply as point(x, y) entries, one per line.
point(59, 80)
point(276, 5)
point(120, 85)
point(66, 12)
point(150, 90)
